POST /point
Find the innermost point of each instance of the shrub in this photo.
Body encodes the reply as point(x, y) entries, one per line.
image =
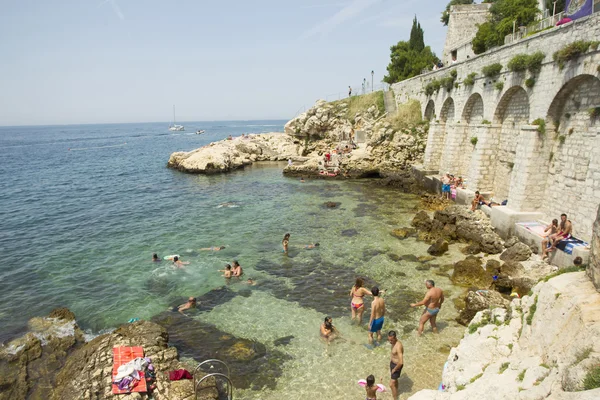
point(541, 123)
point(572, 268)
point(456, 85)
point(474, 140)
point(470, 79)
point(571, 130)
point(503, 367)
point(521, 375)
point(594, 112)
point(534, 62)
point(491, 70)
point(460, 387)
point(582, 355)
point(570, 52)
point(592, 378)
point(518, 63)
point(544, 365)
point(499, 86)
point(486, 122)
point(447, 83)
point(561, 139)
point(432, 87)
point(473, 379)
point(594, 45)
point(529, 82)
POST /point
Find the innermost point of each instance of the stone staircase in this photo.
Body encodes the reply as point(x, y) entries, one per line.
point(390, 102)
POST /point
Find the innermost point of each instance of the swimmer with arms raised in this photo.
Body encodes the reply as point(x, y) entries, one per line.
point(433, 302)
point(178, 263)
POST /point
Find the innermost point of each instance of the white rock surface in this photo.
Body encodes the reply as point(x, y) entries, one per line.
point(552, 355)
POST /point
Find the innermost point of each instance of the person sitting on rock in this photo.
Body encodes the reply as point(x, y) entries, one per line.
point(478, 200)
point(548, 232)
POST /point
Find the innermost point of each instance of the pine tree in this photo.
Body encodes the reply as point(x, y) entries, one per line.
point(416, 41)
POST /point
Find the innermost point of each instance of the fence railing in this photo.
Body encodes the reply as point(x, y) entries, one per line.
point(524, 31)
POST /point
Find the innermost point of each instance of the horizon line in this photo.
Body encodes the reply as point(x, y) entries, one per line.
point(144, 122)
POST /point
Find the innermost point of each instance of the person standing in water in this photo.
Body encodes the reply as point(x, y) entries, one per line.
point(285, 242)
point(396, 362)
point(357, 305)
point(377, 315)
point(433, 302)
point(237, 269)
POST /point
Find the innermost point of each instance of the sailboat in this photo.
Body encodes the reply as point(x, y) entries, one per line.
point(175, 127)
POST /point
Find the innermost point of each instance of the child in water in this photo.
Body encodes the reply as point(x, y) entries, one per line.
point(285, 242)
point(371, 387)
point(226, 271)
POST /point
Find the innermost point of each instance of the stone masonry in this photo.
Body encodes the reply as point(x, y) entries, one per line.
point(484, 131)
point(462, 27)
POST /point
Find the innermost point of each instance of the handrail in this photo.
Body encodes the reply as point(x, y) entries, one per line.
point(216, 374)
point(212, 360)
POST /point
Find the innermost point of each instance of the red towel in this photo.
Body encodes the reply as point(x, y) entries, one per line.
point(179, 374)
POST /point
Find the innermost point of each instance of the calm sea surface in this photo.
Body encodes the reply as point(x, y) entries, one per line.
point(82, 209)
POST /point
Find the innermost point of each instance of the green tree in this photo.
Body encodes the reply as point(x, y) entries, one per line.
point(446, 14)
point(408, 59)
point(503, 14)
point(560, 6)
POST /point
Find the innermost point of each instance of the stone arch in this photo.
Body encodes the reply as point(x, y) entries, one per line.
point(512, 112)
point(473, 111)
point(447, 113)
point(575, 165)
point(429, 110)
point(513, 104)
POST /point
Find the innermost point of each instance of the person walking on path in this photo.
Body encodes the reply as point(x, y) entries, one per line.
point(396, 362)
point(349, 91)
point(433, 302)
point(377, 315)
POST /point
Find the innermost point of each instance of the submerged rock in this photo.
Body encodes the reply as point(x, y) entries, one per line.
point(349, 232)
point(402, 233)
point(284, 341)
point(438, 248)
point(331, 204)
point(470, 272)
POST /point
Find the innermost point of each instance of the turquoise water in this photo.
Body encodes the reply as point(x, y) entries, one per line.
point(79, 227)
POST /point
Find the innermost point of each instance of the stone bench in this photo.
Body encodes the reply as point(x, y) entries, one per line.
point(557, 257)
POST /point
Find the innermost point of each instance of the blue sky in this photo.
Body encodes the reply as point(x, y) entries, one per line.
point(101, 61)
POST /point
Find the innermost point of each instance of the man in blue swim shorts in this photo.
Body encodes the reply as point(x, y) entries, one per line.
point(433, 302)
point(377, 315)
point(446, 186)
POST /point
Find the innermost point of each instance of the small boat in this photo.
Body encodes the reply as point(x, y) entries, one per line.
point(175, 127)
point(200, 131)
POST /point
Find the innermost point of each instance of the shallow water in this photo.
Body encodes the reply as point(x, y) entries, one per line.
point(80, 226)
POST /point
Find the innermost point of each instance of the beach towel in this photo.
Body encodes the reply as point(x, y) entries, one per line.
point(568, 245)
point(534, 227)
point(121, 356)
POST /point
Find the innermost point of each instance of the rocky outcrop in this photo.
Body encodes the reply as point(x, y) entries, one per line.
point(228, 155)
point(480, 300)
point(470, 272)
point(593, 268)
point(543, 347)
point(517, 252)
point(438, 248)
point(52, 361)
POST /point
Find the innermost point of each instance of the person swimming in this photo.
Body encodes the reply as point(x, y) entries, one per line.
point(191, 303)
point(250, 282)
point(237, 269)
point(178, 263)
point(311, 246)
point(212, 248)
point(227, 271)
point(156, 258)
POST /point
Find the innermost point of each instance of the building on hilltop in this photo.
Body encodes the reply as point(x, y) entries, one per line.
point(462, 27)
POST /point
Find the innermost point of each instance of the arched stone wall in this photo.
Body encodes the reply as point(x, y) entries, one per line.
point(447, 113)
point(473, 110)
point(429, 111)
point(450, 141)
point(573, 182)
point(512, 112)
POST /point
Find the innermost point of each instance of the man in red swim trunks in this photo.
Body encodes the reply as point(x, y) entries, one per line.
point(564, 232)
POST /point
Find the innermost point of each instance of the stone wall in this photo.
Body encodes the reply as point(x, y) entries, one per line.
point(550, 170)
point(593, 268)
point(462, 27)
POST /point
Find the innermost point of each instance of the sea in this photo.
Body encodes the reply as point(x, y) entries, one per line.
point(84, 207)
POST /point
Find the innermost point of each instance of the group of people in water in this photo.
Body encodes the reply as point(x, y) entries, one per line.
point(433, 300)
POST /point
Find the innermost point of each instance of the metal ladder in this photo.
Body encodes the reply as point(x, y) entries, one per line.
point(217, 376)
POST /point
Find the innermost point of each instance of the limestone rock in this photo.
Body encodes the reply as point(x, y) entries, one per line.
point(470, 272)
point(438, 248)
point(422, 221)
point(517, 252)
point(402, 233)
point(511, 241)
point(476, 301)
point(593, 268)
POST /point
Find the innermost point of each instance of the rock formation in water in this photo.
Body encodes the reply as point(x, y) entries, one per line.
point(545, 346)
point(54, 362)
point(386, 150)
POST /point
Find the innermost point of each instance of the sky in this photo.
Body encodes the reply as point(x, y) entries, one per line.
point(117, 61)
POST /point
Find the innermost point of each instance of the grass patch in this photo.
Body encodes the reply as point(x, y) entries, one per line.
point(545, 365)
point(493, 337)
point(556, 296)
point(521, 375)
point(541, 125)
point(503, 367)
point(474, 140)
point(499, 86)
point(582, 355)
point(532, 310)
point(592, 378)
point(486, 122)
point(510, 346)
point(529, 82)
point(473, 379)
point(491, 70)
point(594, 112)
point(561, 139)
point(408, 113)
point(362, 103)
point(572, 268)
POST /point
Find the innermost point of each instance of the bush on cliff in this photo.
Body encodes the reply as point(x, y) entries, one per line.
point(503, 14)
point(408, 59)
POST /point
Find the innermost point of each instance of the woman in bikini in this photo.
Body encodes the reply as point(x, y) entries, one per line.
point(357, 305)
point(285, 242)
